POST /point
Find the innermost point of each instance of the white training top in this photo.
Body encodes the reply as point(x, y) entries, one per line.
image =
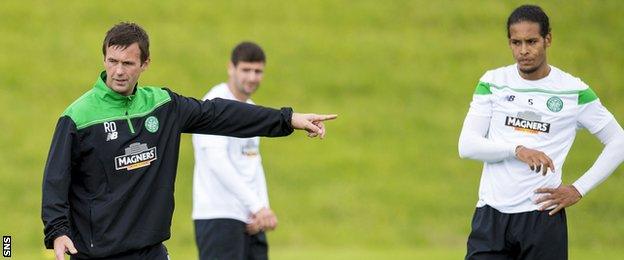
point(539, 114)
point(228, 180)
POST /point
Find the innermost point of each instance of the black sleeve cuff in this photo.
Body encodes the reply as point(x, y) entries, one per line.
point(49, 238)
point(287, 113)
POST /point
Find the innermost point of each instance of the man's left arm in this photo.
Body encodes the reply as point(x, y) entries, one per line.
point(238, 119)
point(611, 135)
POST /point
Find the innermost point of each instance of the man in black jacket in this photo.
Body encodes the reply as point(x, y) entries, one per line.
point(109, 178)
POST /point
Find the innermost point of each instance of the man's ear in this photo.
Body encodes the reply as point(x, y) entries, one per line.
point(145, 64)
point(548, 39)
point(231, 68)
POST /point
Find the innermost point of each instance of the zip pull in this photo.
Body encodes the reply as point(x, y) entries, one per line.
point(90, 225)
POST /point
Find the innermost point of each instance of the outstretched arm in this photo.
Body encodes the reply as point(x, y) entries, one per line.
point(232, 118)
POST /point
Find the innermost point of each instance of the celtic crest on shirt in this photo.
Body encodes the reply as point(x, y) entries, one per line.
point(554, 104)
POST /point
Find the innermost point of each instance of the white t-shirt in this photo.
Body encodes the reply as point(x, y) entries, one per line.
point(541, 114)
point(228, 180)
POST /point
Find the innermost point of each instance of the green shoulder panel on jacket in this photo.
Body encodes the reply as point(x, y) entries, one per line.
point(586, 96)
point(483, 88)
point(100, 105)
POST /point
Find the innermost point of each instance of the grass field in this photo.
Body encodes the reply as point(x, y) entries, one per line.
point(387, 183)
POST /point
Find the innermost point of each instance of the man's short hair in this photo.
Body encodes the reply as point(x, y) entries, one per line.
point(247, 52)
point(125, 34)
point(529, 13)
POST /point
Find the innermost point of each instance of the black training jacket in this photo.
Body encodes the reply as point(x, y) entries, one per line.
point(109, 177)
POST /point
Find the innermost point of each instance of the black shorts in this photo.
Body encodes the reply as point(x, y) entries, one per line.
point(156, 252)
point(228, 239)
point(526, 235)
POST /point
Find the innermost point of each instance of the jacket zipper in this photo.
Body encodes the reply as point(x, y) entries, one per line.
point(129, 123)
point(91, 225)
point(128, 100)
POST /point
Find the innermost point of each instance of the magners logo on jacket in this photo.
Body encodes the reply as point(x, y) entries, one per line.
point(137, 155)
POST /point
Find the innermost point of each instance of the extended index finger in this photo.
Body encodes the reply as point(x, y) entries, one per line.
point(324, 117)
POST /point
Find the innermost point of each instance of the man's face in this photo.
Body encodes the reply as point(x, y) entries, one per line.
point(528, 46)
point(245, 77)
point(123, 67)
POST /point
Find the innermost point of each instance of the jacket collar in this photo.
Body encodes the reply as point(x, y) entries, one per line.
point(109, 95)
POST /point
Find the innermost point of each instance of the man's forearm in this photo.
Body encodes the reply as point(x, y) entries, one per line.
point(231, 118)
point(610, 158)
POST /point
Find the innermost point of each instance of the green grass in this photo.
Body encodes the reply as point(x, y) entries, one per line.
point(387, 182)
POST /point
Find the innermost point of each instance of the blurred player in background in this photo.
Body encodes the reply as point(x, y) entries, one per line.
point(230, 201)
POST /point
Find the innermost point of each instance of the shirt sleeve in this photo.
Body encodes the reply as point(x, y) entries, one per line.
point(56, 181)
point(232, 118)
point(473, 143)
point(481, 104)
point(612, 136)
point(215, 159)
point(594, 116)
